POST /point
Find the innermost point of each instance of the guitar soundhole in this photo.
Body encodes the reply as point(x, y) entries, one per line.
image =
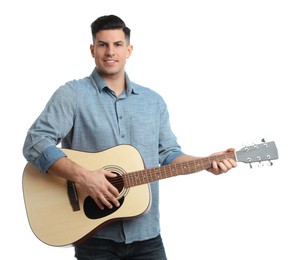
point(92, 211)
point(118, 182)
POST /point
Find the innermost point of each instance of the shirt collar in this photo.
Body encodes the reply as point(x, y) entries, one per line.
point(101, 84)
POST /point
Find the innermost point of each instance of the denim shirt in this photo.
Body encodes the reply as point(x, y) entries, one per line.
point(86, 115)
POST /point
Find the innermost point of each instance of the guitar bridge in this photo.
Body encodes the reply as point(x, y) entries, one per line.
point(73, 196)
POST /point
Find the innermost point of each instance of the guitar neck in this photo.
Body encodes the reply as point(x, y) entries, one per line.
point(136, 178)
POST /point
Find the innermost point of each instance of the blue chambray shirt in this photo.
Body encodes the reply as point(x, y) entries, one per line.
point(86, 115)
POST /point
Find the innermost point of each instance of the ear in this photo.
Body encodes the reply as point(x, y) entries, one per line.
point(92, 50)
point(130, 49)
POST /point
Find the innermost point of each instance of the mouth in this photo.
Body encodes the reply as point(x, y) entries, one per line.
point(110, 62)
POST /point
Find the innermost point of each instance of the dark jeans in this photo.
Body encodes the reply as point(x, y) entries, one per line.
point(103, 249)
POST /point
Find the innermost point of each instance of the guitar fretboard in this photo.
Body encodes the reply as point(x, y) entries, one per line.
point(136, 178)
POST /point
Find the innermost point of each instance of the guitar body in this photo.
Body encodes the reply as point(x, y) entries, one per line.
point(50, 213)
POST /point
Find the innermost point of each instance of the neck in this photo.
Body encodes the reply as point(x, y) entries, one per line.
point(116, 83)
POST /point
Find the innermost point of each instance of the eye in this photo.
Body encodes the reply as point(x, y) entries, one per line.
point(119, 44)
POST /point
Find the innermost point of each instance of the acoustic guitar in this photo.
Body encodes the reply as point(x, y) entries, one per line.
point(61, 214)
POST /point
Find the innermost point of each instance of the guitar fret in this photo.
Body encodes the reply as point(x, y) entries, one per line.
point(136, 178)
point(172, 170)
point(207, 163)
point(156, 174)
point(198, 165)
point(162, 172)
point(192, 167)
point(144, 177)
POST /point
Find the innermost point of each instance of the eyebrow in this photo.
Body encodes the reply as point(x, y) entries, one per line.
point(107, 42)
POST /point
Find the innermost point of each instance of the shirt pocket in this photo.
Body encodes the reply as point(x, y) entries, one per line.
point(144, 130)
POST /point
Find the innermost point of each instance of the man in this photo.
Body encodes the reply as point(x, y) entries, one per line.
point(98, 112)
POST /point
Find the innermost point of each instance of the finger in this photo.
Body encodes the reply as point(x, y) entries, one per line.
point(215, 168)
point(108, 199)
point(113, 191)
point(99, 203)
point(222, 167)
point(112, 198)
point(110, 174)
point(227, 164)
point(104, 201)
point(230, 163)
point(233, 163)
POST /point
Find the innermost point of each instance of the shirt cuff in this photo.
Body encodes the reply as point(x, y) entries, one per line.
point(171, 157)
point(48, 157)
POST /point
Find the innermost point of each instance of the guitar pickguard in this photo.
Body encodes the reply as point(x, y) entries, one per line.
point(92, 211)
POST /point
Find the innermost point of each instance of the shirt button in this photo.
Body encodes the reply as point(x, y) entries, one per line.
point(123, 136)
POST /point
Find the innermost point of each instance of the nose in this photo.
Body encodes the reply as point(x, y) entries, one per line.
point(110, 50)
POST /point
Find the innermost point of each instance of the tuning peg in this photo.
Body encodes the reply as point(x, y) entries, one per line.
point(250, 165)
point(244, 145)
point(270, 163)
point(261, 164)
point(263, 140)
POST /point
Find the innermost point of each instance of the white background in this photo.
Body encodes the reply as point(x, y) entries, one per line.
point(223, 67)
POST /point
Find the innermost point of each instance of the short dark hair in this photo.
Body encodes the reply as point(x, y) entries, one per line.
point(108, 22)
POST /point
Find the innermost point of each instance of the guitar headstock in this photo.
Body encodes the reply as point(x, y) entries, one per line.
point(266, 151)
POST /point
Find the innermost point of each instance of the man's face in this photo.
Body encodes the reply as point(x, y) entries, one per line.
point(110, 51)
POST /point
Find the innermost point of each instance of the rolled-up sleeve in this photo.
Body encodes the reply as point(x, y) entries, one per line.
point(48, 130)
point(48, 157)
